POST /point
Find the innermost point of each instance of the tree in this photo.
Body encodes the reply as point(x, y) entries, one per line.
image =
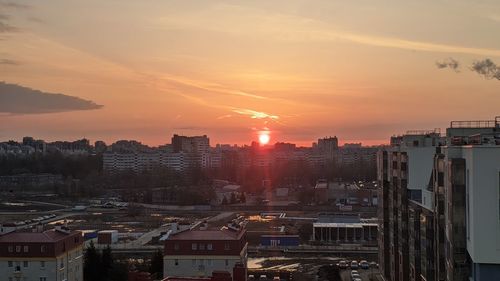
point(156, 266)
point(306, 231)
point(106, 263)
point(224, 200)
point(119, 272)
point(91, 266)
point(233, 198)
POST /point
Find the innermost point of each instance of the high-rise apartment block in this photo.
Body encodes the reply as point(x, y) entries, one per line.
point(439, 204)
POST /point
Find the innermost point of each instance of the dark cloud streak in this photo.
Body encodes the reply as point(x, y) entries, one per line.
point(5, 27)
point(9, 62)
point(15, 5)
point(16, 99)
point(449, 63)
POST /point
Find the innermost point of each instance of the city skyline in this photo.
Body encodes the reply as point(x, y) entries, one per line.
point(298, 70)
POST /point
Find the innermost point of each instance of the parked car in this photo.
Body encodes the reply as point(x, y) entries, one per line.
point(364, 264)
point(354, 272)
point(355, 276)
point(357, 279)
point(374, 264)
point(354, 265)
point(343, 264)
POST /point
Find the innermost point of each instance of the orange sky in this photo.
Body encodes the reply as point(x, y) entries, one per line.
point(361, 70)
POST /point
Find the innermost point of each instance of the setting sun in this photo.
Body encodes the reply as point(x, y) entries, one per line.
point(264, 138)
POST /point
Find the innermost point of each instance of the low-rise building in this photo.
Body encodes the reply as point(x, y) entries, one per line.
point(198, 253)
point(53, 255)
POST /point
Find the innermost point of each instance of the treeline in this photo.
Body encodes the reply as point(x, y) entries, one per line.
point(101, 266)
point(75, 166)
point(91, 179)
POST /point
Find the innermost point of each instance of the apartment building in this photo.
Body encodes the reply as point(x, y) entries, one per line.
point(53, 255)
point(199, 253)
point(439, 204)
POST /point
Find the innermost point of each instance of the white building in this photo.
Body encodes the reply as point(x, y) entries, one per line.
point(54, 255)
point(198, 253)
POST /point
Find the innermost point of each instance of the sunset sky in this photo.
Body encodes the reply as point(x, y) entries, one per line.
point(302, 69)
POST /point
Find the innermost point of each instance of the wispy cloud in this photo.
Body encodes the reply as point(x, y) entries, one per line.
point(15, 5)
point(5, 27)
point(253, 22)
point(224, 116)
point(255, 114)
point(449, 63)
point(9, 62)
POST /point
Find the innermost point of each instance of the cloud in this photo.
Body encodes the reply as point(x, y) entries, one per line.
point(254, 22)
point(486, 68)
point(9, 62)
point(5, 27)
point(15, 5)
point(16, 99)
point(224, 116)
point(449, 63)
point(255, 114)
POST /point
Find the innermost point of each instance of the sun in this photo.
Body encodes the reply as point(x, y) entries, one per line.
point(264, 138)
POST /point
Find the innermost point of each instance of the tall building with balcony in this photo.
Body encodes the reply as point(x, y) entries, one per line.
point(403, 174)
point(439, 204)
point(53, 255)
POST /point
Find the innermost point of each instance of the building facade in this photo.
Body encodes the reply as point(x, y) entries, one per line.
point(439, 204)
point(53, 255)
point(198, 253)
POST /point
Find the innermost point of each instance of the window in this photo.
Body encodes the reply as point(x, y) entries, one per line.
point(10, 263)
point(43, 278)
point(176, 246)
point(42, 249)
point(209, 247)
point(25, 249)
point(176, 262)
point(201, 246)
point(227, 246)
point(11, 249)
point(25, 263)
point(42, 264)
point(227, 262)
point(194, 246)
point(18, 249)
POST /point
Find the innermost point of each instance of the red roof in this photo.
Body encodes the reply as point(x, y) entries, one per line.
point(48, 236)
point(207, 235)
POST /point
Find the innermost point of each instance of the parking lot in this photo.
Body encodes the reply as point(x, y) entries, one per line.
point(365, 274)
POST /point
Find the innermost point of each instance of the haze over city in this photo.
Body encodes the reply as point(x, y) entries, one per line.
point(299, 70)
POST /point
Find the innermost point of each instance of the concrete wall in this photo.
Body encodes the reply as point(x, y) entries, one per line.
point(483, 169)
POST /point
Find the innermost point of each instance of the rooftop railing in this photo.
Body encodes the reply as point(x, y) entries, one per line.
point(476, 123)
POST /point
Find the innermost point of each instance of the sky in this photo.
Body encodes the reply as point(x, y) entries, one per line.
point(298, 69)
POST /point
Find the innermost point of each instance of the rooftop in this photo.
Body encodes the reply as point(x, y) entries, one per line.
point(48, 236)
point(224, 234)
